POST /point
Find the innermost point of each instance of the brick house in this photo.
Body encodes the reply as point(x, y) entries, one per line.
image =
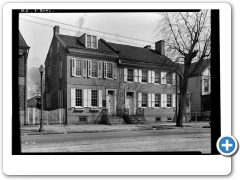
point(87, 76)
point(199, 86)
point(22, 77)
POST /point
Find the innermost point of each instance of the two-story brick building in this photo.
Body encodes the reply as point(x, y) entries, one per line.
point(22, 77)
point(86, 75)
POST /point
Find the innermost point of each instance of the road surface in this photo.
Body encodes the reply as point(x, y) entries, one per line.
point(187, 139)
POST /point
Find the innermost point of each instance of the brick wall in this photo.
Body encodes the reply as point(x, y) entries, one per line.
point(21, 93)
point(21, 67)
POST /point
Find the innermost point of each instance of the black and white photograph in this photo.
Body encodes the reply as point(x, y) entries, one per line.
point(118, 89)
point(95, 81)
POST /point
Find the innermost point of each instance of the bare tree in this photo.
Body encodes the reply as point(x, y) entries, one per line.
point(188, 38)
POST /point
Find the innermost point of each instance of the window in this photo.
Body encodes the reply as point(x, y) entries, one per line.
point(130, 94)
point(206, 85)
point(109, 70)
point(91, 41)
point(60, 69)
point(144, 100)
point(169, 78)
point(158, 118)
point(95, 69)
point(57, 46)
point(78, 98)
point(144, 76)
point(78, 67)
point(157, 77)
point(94, 98)
point(169, 100)
point(82, 119)
point(88, 41)
point(130, 75)
point(94, 41)
point(157, 100)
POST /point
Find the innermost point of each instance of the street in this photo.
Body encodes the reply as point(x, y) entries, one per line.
point(187, 139)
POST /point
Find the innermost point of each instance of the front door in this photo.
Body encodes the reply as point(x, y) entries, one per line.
point(110, 102)
point(130, 102)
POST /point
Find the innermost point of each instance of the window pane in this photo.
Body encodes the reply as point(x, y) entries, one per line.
point(157, 77)
point(130, 75)
point(157, 100)
point(78, 67)
point(88, 41)
point(169, 100)
point(109, 70)
point(94, 41)
point(94, 68)
point(94, 98)
point(144, 100)
point(206, 85)
point(78, 97)
point(169, 78)
point(144, 75)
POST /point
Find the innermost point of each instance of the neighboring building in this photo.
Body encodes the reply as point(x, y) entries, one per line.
point(22, 78)
point(86, 75)
point(34, 102)
point(199, 86)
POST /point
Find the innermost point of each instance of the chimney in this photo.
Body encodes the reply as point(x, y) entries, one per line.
point(160, 47)
point(55, 30)
point(147, 47)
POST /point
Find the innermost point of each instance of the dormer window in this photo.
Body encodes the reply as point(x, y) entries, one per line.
point(91, 41)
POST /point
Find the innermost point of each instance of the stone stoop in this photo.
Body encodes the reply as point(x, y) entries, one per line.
point(115, 120)
point(137, 119)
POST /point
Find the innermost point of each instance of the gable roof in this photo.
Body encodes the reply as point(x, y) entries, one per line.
point(22, 42)
point(196, 68)
point(133, 53)
point(125, 52)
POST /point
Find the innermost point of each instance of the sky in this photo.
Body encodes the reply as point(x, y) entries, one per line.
point(37, 30)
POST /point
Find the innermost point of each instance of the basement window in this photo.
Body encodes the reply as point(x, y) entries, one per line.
point(158, 118)
point(169, 118)
point(82, 119)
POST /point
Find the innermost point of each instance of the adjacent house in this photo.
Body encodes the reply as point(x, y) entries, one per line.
point(34, 102)
point(89, 77)
point(199, 86)
point(22, 77)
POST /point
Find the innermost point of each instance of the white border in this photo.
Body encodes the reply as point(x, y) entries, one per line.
point(123, 165)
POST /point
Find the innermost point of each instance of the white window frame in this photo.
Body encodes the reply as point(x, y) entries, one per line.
point(159, 73)
point(159, 100)
point(81, 69)
point(96, 69)
point(142, 100)
point(107, 70)
point(92, 98)
point(147, 76)
point(170, 95)
point(91, 41)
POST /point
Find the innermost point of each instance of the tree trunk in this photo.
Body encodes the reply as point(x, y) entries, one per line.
point(183, 93)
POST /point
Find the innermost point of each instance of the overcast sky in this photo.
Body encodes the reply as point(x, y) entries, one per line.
point(39, 32)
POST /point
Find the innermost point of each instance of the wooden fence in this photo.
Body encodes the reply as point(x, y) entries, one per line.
point(56, 116)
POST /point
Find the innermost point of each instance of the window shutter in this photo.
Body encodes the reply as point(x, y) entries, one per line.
point(163, 77)
point(73, 94)
point(114, 71)
point(149, 100)
point(140, 75)
point(153, 100)
point(139, 99)
point(174, 78)
point(135, 75)
point(105, 69)
point(163, 100)
point(84, 67)
point(73, 67)
point(89, 68)
point(174, 100)
point(153, 76)
point(99, 69)
point(85, 98)
point(125, 74)
point(89, 98)
point(99, 98)
point(149, 76)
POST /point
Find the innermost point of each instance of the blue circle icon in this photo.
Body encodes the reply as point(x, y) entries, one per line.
point(227, 145)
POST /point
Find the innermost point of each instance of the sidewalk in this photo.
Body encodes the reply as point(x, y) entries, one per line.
point(98, 128)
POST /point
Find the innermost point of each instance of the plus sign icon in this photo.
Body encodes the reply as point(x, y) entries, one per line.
point(227, 145)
